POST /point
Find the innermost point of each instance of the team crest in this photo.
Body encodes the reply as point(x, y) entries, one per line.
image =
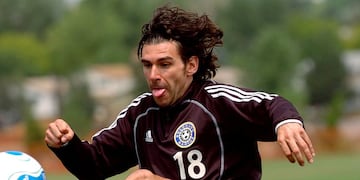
point(185, 135)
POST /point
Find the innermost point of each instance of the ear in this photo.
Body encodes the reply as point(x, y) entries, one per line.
point(192, 65)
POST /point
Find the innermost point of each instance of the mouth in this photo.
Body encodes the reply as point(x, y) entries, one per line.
point(158, 92)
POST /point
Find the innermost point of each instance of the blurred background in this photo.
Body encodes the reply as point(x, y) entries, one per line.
point(76, 59)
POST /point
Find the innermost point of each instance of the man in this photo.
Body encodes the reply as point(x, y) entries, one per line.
point(188, 127)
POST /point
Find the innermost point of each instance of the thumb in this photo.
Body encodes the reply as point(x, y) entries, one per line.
point(64, 139)
point(67, 135)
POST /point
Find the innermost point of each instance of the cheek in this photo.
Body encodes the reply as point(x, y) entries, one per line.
point(178, 79)
point(146, 73)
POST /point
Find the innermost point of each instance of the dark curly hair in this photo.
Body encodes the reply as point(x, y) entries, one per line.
point(196, 36)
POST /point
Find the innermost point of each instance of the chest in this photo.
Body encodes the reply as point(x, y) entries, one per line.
point(178, 139)
point(181, 128)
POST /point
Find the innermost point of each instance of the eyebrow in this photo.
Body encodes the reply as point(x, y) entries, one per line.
point(166, 58)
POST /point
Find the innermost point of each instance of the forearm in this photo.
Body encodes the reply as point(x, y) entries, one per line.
point(78, 160)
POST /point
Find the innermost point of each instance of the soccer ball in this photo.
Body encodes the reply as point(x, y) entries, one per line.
point(16, 165)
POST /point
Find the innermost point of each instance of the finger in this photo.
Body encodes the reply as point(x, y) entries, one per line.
point(65, 138)
point(58, 133)
point(296, 152)
point(54, 131)
point(62, 126)
point(140, 174)
point(309, 143)
point(286, 150)
point(307, 147)
point(65, 130)
point(51, 140)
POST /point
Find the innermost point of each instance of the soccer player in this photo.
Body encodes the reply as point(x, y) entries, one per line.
point(188, 126)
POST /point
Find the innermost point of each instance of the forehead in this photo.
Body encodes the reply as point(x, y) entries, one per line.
point(160, 50)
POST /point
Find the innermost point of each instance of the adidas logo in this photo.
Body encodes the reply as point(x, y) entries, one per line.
point(148, 136)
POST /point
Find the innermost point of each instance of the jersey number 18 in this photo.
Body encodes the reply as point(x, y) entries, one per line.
point(194, 157)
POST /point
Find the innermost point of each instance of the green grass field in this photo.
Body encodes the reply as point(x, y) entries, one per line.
point(325, 167)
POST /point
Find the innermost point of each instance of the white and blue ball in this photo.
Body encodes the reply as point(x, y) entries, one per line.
point(16, 165)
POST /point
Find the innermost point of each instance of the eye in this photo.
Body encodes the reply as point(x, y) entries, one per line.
point(146, 64)
point(165, 65)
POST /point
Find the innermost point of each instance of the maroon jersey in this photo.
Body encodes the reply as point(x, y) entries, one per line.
point(210, 133)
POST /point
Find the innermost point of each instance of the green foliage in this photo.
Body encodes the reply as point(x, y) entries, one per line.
point(22, 55)
point(274, 56)
point(29, 16)
point(243, 20)
point(353, 41)
point(304, 31)
point(97, 32)
point(78, 108)
point(335, 109)
point(345, 12)
point(76, 41)
point(34, 131)
point(308, 37)
point(273, 63)
point(321, 44)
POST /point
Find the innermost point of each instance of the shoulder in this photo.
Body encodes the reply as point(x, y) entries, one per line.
point(144, 97)
point(236, 94)
point(140, 102)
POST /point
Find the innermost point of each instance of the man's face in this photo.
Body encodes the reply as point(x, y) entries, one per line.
point(166, 74)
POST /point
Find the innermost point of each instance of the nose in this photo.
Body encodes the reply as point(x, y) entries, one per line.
point(154, 73)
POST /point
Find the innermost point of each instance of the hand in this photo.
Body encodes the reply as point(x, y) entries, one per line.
point(295, 143)
point(58, 133)
point(144, 174)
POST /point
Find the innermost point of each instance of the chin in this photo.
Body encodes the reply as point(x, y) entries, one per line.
point(161, 103)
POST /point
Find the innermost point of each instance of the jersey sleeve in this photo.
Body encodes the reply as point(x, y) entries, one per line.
point(110, 152)
point(251, 112)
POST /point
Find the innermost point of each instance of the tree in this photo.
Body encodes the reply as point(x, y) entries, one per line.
point(321, 44)
point(243, 20)
point(273, 59)
point(96, 32)
point(272, 65)
point(29, 16)
point(78, 107)
point(346, 12)
point(353, 41)
point(21, 55)
point(76, 41)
